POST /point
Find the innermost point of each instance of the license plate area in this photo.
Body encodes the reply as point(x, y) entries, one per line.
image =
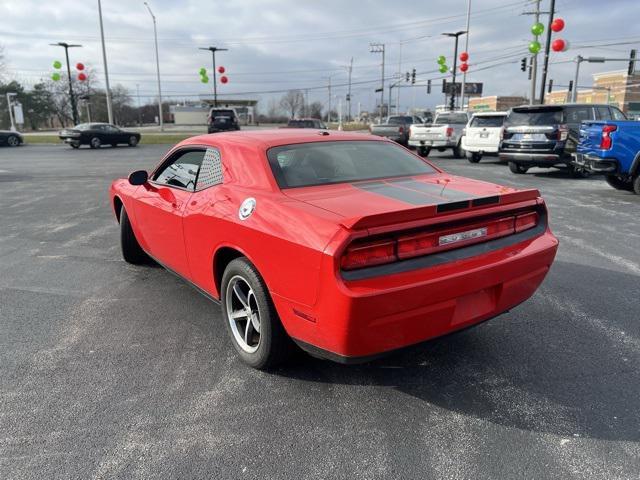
point(530, 137)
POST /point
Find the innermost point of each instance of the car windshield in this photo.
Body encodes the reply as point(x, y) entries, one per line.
point(531, 117)
point(488, 121)
point(399, 120)
point(445, 118)
point(318, 163)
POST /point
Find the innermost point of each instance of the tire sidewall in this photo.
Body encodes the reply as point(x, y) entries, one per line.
point(133, 141)
point(95, 142)
point(13, 141)
point(243, 268)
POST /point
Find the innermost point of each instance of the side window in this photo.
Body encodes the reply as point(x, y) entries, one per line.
point(617, 114)
point(182, 170)
point(211, 169)
point(603, 113)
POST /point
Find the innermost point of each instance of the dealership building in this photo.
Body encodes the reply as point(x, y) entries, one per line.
point(495, 103)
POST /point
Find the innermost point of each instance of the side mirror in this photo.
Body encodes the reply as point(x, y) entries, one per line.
point(139, 177)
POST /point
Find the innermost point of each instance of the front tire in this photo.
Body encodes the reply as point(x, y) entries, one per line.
point(618, 183)
point(95, 142)
point(75, 145)
point(251, 318)
point(13, 141)
point(133, 141)
point(517, 168)
point(131, 250)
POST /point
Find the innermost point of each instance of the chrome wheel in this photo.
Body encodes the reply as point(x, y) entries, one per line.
point(95, 142)
point(243, 314)
point(13, 141)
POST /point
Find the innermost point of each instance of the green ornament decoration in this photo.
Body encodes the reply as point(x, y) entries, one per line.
point(537, 29)
point(57, 64)
point(204, 79)
point(203, 72)
point(444, 69)
point(441, 59)
point(534, 47)
point(55, 77)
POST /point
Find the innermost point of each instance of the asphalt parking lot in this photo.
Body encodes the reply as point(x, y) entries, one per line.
point(109, 370)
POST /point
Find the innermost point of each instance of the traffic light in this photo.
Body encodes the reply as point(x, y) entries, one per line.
point(632, 63)
point(348, 97)
point(550, 85)
point(413, 76)
point(523, 64)
point(408, 75)
point(570, 86)
point(429, 86)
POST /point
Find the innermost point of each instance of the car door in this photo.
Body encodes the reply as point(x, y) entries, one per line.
point(160, 207)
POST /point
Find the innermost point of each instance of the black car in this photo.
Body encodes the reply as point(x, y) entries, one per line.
point(97, 134)
point(222, 120)
point(546, 135)
point(12, 139)
point(306, 123)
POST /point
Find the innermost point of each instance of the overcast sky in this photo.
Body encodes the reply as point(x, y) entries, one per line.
point(280, 44)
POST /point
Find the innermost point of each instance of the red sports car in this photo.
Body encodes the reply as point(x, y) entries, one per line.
point(347, 245)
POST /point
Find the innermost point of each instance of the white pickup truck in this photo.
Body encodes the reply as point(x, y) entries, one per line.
point(482, 135)
point(445, 132)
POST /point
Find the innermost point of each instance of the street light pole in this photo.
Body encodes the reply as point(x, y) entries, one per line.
point(574, 93)
point(213, 51)
point(74, 109)
point(456, 35)
point(379, 48)
point(349, 92)
point(13, 123)
point(106, 70)
point(155, 35)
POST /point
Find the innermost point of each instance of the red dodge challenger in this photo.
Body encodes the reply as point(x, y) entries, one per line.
point(347, 245)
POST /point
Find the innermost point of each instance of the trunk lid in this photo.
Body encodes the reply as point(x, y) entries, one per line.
point(376, 203)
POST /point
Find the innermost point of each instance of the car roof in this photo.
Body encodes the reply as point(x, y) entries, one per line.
point(559, 106)
point(275, 137)
point(489, 114)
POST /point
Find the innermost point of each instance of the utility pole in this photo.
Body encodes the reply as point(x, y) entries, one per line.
point(552, 10)
point(379, 48)
point(534, 57)
point(466, 49)
point(400, 74)
point(155, 34)
point(349, 91)
point(139, 111)
point(329, 110)
point(74, 109)
point(106, 70)
point(213, 51)
point(456, 35)
point(574, 92)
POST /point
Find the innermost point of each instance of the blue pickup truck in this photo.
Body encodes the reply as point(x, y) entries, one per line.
point(611, 147)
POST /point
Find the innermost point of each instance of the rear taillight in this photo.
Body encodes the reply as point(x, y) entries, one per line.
point(401, 130)
point(388, 250)
point(449, 131)
point(606, 141)
point(563, 132)
point(369, 254)
point(502, 134)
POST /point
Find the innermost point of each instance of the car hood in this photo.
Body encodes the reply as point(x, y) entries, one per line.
point(10, 132)
point(375, 202)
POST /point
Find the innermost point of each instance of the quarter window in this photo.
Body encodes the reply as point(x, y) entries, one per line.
point(182, 170)
point(211, 170)
point(577, 115)
point(617, 114)
point(603, 113)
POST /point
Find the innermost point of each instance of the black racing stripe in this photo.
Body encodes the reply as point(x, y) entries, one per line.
point(442, 191)
point(448, 207)
point(401, 194)
point(486, 201)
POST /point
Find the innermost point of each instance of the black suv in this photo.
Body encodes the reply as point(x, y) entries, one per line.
point(222, 120)
point(546, 135)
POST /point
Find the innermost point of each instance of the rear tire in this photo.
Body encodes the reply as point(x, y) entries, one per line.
point(458, 151)
point(75, 145)
point(424, 151)
point(619, 183)
point(133, 141)
point(517, 168)
point(636, 184)
point(577, 172)
point(131, 250)
point(267, 346)
point(95, 142)
point(474, 157)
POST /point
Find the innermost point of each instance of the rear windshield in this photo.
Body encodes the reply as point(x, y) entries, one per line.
point(537, 118)
point(445, 118)
point(320, 163)
point(399, 120)
point(489, 121)
point(222, 113)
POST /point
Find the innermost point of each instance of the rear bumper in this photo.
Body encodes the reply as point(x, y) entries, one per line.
point(595, 164)
point(358, 320)
point(535, 159)
point(432, 143)
point(475, 148)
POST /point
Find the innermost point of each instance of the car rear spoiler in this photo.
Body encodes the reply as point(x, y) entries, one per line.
point(503, 199)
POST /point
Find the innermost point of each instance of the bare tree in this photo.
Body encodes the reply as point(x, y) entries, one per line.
point(2, 64)
point(315, 110)
point(292, 102)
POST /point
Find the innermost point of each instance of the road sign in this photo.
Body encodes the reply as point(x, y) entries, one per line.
point(470, 88)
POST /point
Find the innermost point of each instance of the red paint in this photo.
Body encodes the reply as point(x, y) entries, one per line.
point(558, 45)
point(557, 25)
point(298, 238)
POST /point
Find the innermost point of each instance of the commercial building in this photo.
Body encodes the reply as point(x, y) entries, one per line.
point(615, 88)
point(495, 103)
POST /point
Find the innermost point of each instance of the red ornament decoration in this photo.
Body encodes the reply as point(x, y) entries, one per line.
point(223, 79)
point(558, 45)
point(464, 67)
point(221, 70)
point(464, 56)
point(82, 77)
point(80, 66)
point(557, 25)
